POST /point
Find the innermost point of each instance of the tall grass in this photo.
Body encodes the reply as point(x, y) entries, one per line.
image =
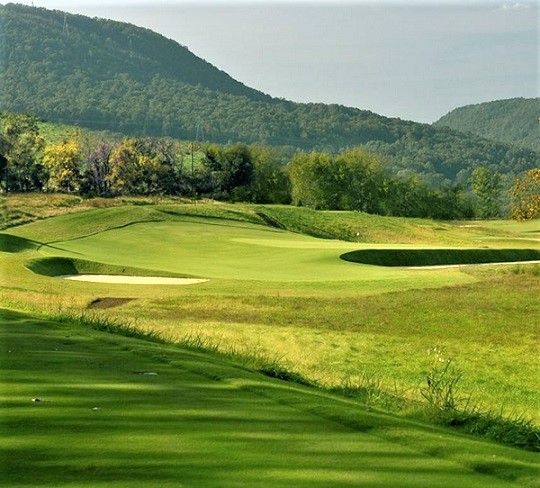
point(447, 407)
point(107, 324)
point(256, 360)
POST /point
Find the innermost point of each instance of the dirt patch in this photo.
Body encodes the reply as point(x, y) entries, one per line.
point(108, 302)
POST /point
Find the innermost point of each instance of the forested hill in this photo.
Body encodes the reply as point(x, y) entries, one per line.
point(110, 75)
point(513, 121)
point(51, 41)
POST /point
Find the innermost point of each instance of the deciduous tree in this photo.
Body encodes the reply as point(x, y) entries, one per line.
point(21, 153)
point(486, 186)
point(63, 164)
point(526, 196)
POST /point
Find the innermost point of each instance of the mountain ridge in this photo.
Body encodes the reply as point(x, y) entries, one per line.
point(511, 121)
point(112, 75)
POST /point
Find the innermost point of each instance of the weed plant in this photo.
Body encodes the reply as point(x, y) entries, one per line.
point(370, 390)
point(532, 270)
point(448, 408)
point(440, 388)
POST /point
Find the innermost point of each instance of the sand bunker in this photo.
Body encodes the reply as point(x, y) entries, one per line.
point(132, 280)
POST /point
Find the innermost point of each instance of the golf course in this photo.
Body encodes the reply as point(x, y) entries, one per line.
point(283, 347)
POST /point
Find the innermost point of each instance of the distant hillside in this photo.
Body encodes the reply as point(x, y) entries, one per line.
point(513, 121)
point(114, 76)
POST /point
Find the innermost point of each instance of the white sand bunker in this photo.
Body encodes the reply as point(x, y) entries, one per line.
point(132, 280)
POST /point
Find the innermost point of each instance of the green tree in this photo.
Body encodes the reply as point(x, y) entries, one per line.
point(353, 180)
point(237, 168)
point(311, 178)
point(140, 166)
point(487, 189)
point(231, 170)
point(360, 180)
point(21, 153)
point(270, 184)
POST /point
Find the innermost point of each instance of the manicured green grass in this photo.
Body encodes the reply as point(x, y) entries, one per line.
point(118, 411)
point(290, 296)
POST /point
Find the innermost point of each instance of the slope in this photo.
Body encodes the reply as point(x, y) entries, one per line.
point(512, 121)
point(127, 412)
point(102, 48)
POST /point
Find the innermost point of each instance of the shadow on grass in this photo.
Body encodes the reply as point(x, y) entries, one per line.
point(15, 244)
point(198, 421)
point(436, 257)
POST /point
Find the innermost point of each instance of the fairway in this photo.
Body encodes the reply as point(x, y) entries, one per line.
point(114, 411)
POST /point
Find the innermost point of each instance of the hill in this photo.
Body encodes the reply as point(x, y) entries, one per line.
point(512, 121)
point(115, 76)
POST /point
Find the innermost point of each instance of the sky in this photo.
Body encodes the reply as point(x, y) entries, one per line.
point(413, 59)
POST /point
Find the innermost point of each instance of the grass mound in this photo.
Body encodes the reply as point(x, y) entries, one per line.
point(14, 244)
point(59, 266)
point(434, 257)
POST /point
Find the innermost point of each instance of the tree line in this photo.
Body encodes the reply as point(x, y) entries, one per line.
point(353, 179)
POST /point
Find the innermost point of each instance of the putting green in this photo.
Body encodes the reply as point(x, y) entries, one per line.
point(224, 249)
point(115, 411)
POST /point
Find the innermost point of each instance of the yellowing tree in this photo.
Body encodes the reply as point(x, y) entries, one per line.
point(140, 166)
point(526, 196)
point(63, 162)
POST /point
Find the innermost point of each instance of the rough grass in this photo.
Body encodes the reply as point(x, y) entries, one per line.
point(82, 407)
point(23, 208)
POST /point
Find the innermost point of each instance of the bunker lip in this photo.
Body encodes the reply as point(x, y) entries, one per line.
point(132, 280)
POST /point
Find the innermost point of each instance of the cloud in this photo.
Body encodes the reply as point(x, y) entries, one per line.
point(515, 6)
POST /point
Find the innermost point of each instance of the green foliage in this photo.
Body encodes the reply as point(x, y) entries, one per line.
point(356, 179)
point(115, 76)
point(353, 180)
point(21, 147)
point(311, 181)
point(486, 186)
point(140, 166)
point(270, 183)
point(512, 121)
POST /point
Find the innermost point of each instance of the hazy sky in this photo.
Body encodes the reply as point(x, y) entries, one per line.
point(414, 59)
